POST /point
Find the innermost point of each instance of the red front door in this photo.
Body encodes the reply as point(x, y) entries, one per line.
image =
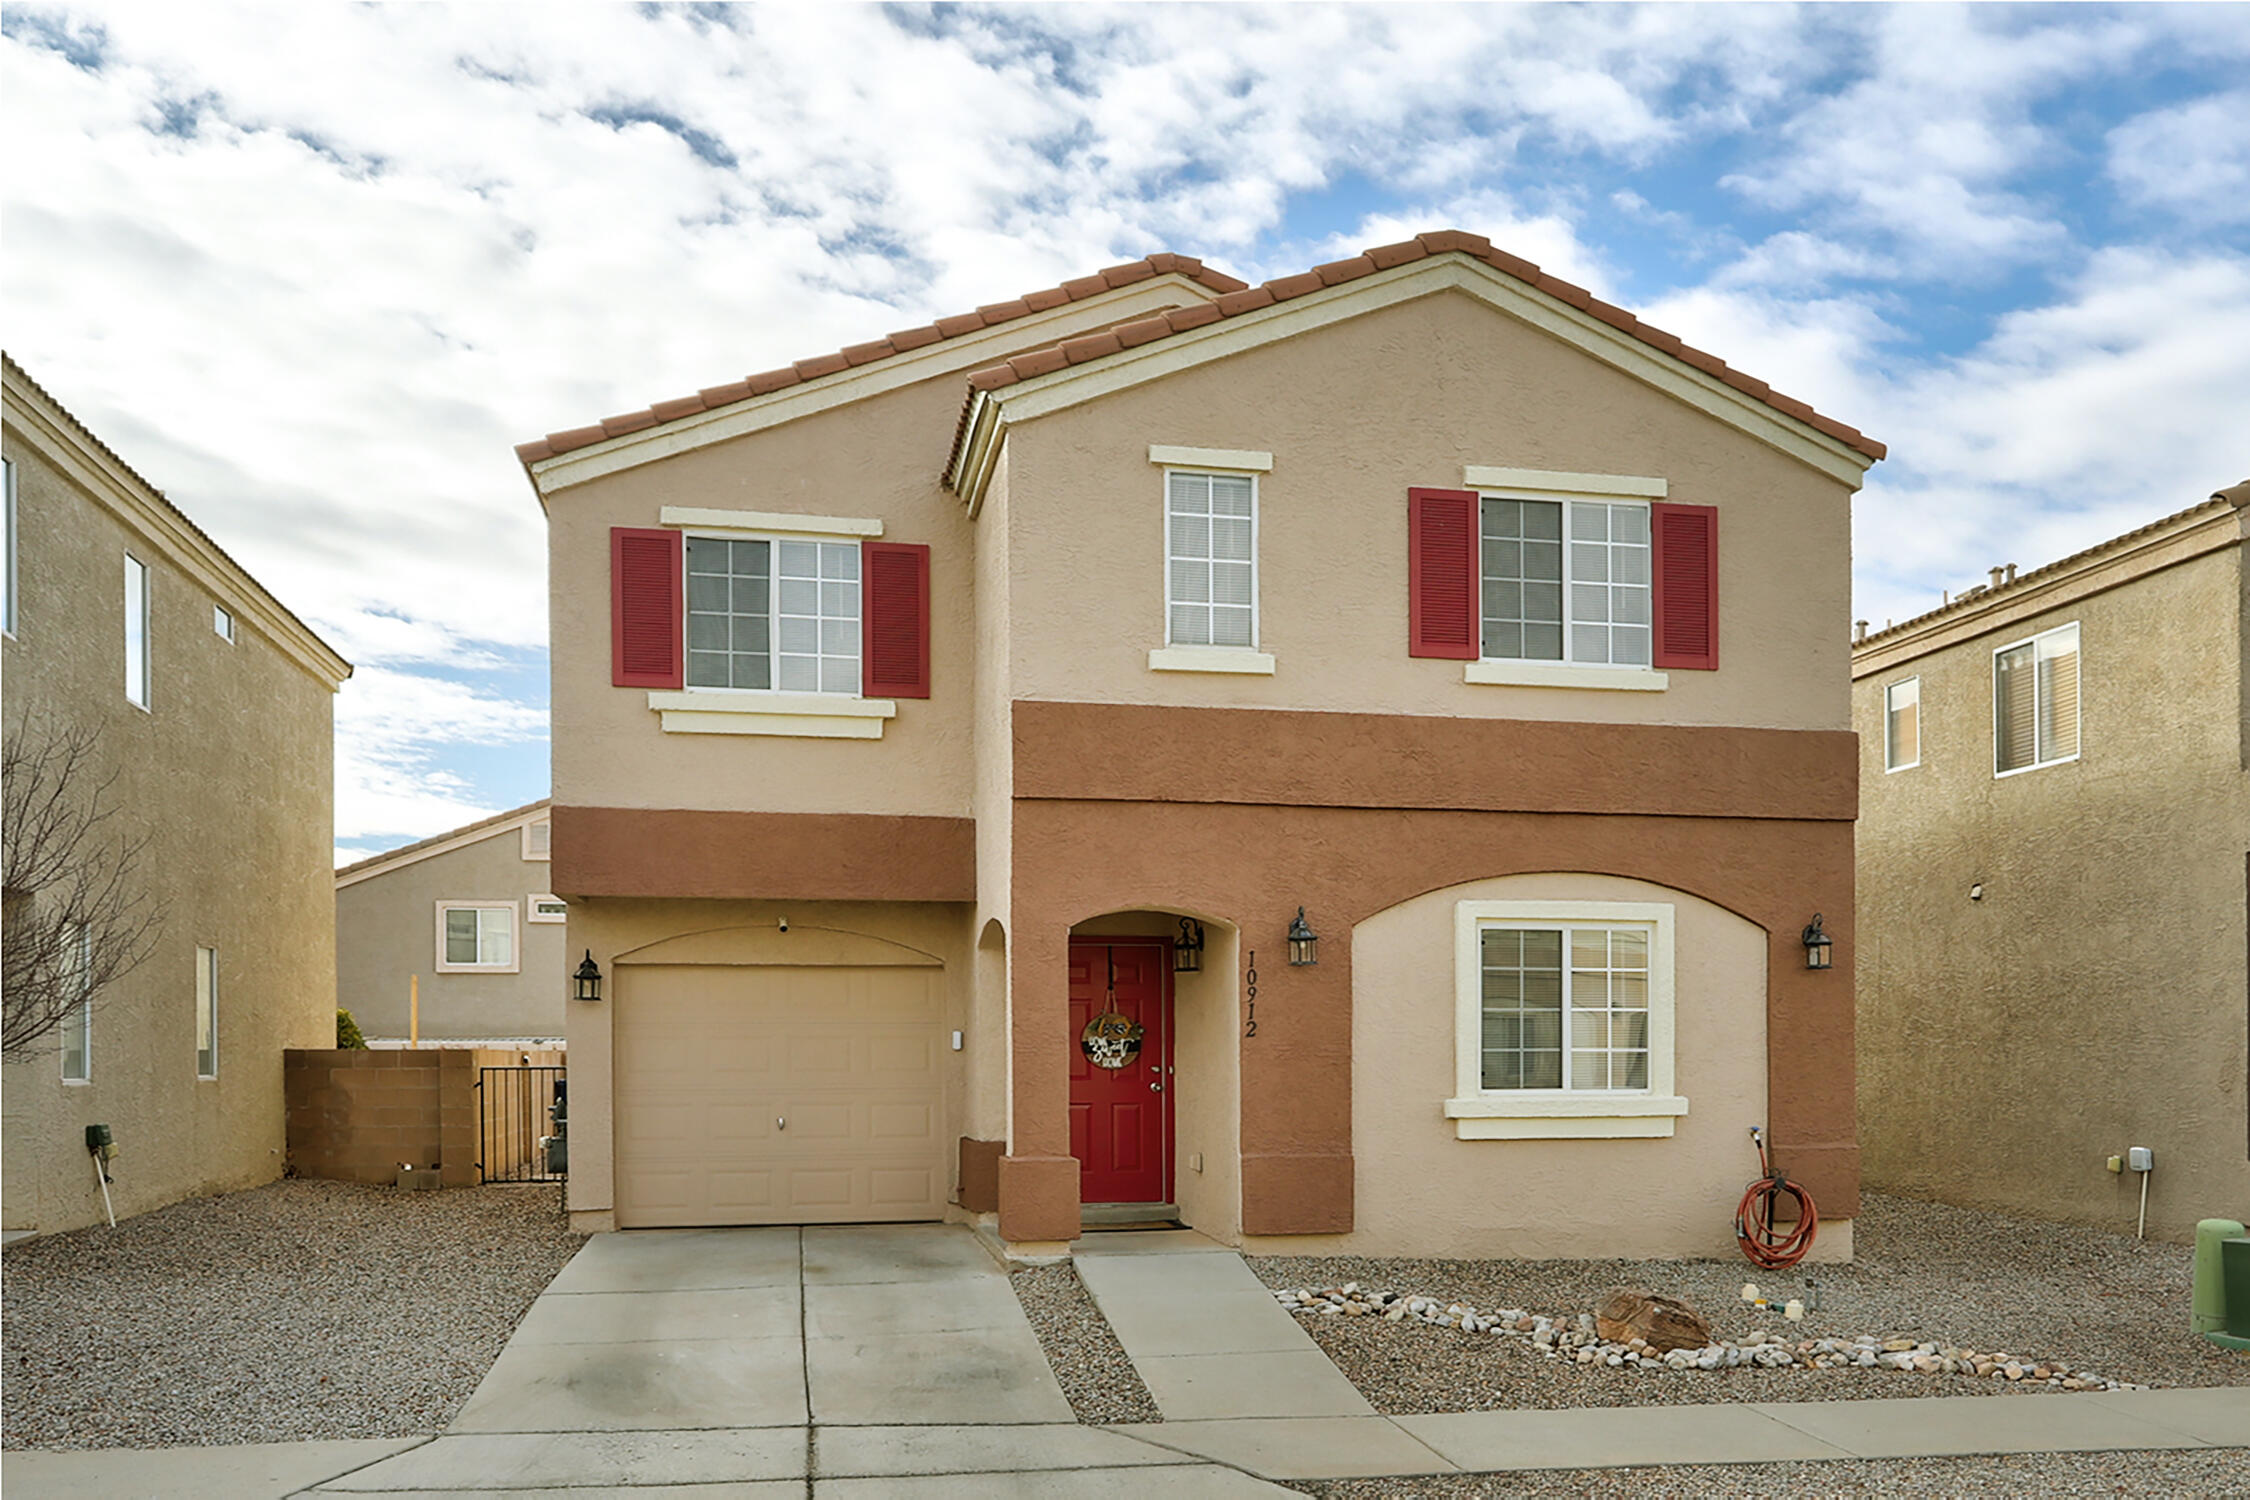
point(1121, 1118)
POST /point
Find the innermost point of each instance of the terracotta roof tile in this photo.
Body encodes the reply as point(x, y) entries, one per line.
point(860, 354)
point(632, 421)
point(825, 364)
point(1039, 362)
point(1040, 301)
point(1001, 312)
point(773, 380)
point(1146, 330)
point(1084, 286)
point(1384, 257)
point(1128, 273)
point(686, 406)
point(914, 338)
point(958, 324)
point(726, 395)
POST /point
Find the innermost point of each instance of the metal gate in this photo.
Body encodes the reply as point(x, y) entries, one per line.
point(522, 1125)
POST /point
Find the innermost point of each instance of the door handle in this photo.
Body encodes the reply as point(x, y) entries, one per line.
point(1156, 1085)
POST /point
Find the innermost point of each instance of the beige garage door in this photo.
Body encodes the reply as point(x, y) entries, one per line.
point(779, 1096)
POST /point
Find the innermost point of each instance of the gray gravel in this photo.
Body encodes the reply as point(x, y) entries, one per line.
point(2102, 1302)
point(2068, 1474)
point(1082, 1349)
point(297, 1310)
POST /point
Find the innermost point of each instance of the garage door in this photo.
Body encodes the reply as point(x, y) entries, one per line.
point(779, 1095)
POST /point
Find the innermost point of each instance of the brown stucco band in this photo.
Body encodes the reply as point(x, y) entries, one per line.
point(636, 851)
point(980, 1174)
point(1150, 753)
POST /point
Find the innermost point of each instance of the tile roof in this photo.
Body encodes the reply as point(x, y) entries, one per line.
point(860, 354)
point(1382, 258)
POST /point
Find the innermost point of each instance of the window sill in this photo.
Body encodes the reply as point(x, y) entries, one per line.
point(445, 968)
point(1236, 659)
point(1560, 1116)
point(818, 716)
point(1561, 675)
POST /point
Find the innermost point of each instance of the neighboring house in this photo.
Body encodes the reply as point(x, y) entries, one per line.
point(212, 706)
point(468, 915)
point(913, 704)
point(2054, 865)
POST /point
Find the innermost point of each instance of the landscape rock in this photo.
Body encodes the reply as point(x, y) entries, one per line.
point(1663, 1323)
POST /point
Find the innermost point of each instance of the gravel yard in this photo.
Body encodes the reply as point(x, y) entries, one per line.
point(2100, 1301)
point(301, 1309)
point(2064, 1474)
point(1089, 1363)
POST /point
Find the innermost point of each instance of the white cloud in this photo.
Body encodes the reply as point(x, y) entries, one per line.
point(392, 728)
point(2192, 159)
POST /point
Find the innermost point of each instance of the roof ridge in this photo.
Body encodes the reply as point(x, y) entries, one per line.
point(1078, 350)
point(439, 838)
point(854, 355)
point(1983, 594)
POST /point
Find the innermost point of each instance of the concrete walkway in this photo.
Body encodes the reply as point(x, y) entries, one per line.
point(825, 1364)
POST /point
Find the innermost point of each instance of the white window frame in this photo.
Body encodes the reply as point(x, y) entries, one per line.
point(1889, 709)
point(514, 965)
point(139, 686)
point(222, 623)
point(533, 854)
point(80, 1017)
point(8, 575)
point(1252, 660)
point(1491, 482)
point(1482, 1114)
point(2078, 723)
point(206, 1012)
point(532, 913)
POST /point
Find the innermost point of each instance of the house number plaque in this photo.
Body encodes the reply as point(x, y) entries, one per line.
point(1111, 1040)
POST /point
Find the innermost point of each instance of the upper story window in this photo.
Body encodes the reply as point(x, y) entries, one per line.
point(773, 614)
point(1567, 581)
point(78, 1022)
point(222, 623)
point(1902, 724)
point(1211, 550)
point(8, 565)
point(136, 631)
point(206, 1012)
point(476, 937)
point(2035, 701)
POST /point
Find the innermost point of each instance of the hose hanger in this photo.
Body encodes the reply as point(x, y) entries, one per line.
point(1763, 1241)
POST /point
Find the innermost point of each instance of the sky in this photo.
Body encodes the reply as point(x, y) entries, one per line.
point(314, 269)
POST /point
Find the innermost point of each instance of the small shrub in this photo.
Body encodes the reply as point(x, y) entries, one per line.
point(347, 1032)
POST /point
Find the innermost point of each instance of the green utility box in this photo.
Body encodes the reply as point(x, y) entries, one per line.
point(2221, 1291)
point(2234, 1275)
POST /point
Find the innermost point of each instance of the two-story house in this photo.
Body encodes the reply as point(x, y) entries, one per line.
point(205, 709)
point(455, 938)
point(1346, 764)
point(2054, 882)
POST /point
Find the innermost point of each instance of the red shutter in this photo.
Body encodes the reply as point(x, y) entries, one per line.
point(646, 583)
point(1441, 574)
point(894, 620)
point(1687, 585)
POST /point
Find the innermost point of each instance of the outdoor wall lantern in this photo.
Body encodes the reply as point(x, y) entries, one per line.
point(1187, 953)
point(586, 984)
point(1302, 942)
point(1817, 945)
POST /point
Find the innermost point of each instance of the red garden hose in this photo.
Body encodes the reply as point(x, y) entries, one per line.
point(1754, 1228)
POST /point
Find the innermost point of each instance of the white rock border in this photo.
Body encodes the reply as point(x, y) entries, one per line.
point(1575, 1339)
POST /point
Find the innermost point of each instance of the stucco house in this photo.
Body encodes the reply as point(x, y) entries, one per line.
point(2054, 871)
point(211, 704)
point(951, 732)
point(463, 922)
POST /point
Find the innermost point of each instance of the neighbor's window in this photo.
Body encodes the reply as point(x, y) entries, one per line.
point(1210, 559)
point(1902, 724)
point(1564, 1020)
point(8, 570)
point(78, 1023)
point(2035, 701)
point(222, 623)
point(136, 631)
point(476, 936)
point(773, 614)
point(541, 908)
point(1566, 580)
point(206, 1012)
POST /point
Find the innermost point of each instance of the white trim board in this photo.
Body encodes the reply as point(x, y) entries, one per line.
point(761, 522)
point(1128, 368)
point(383, 864)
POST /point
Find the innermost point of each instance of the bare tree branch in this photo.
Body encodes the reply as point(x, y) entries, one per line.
point(79, 915)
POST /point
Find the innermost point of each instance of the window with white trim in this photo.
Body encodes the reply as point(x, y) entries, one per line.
point(222, 623)
point(771, 613)
point(1564, 1022)
point(1566, 581)
point(476, 937)
point(206, 1012)
point(78, 1022)
point(1902, 724)
point(136, 631)
point(540, 907)
point(8, 565)
point(2035, 701)
point(538, 840)
point(1210, 559)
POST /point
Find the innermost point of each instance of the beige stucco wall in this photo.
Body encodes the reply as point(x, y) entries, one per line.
point(992, 795)
point(2094, 998)
point(735, 932)
point(386, 934)
point(1421, 1191)
point(1354, 415)
point(230, 772)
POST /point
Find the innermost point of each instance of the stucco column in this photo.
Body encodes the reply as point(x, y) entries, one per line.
point(1038, 1175)
point(1297, 1070)
point(1812, 1081)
